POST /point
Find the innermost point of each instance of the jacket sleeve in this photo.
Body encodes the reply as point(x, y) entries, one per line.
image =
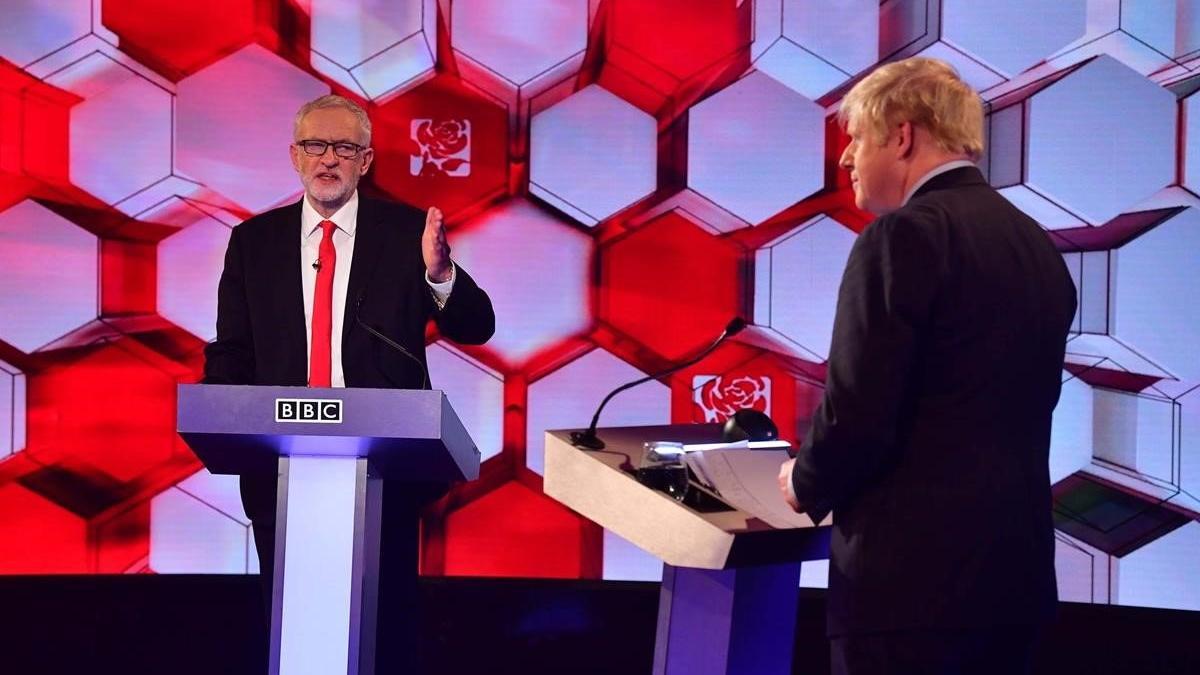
point(467, 317)
point(885, 297)
point(229, 359)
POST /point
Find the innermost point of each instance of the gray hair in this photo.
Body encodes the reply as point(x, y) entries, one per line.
point(333, 101)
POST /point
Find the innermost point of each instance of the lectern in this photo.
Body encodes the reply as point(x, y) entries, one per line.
point(730, 581)
point(330, 448)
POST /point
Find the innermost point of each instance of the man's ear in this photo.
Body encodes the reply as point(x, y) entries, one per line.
point(905, 141)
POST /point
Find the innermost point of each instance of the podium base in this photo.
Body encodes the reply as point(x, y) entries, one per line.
point(727, 622)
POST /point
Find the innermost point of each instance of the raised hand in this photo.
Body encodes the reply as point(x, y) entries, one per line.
point(434, 248)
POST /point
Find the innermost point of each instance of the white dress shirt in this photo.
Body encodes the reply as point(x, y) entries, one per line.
point(346, 219)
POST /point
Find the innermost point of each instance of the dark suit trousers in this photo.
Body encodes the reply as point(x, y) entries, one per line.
point(990, 651)
point(397, 625)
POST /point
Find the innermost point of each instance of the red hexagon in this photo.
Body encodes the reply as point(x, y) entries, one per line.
point(516, 532)
point(34, 119)
point(399, 169)
point(38, 536)
point(671, 285)
point(61, 521)
point(674, 48)
point(110, 408)
point(178, 38)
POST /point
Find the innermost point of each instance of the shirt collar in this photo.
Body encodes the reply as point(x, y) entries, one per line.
point(936, 171)
point(345, 218)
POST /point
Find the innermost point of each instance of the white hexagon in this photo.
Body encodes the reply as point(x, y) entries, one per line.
point(1163, 573)
point(1148, 36)
point(512, 48)
point(50, 284)
point(813, 46)
point(1044, 149)
point(199, 527)
point(985, 30)
point(475, 391)
point(31, 29)
point(1190, 175)
point(537, 272)
point(574, 147)
point(1071, 429)
point(624, 561)
point(1082, 570)
point(1189, 449)
point(376, 49)
point(796, 279)
point(12, 410)
point(189, 268)
point(756, 147)
point(1135, 431)
point(120, 134)
point(235, 125)
point(966, 34)
point(568, 397)
point(1154, 311)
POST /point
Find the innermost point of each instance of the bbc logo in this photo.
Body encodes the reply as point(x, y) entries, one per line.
point(319, 411)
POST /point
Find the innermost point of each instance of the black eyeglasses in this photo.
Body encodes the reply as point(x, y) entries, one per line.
point(343, 149)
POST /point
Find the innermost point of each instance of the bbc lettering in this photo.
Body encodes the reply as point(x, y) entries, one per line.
point(317, 411)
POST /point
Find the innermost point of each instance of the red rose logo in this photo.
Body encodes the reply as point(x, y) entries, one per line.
point(718, 399)
point(444, 147)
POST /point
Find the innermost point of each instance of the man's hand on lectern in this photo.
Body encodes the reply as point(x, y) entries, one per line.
point(434, 248)
point(785, 484)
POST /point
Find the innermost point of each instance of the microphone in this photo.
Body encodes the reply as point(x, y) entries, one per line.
point(316, 264)
point(387, 340)
point(589, 440)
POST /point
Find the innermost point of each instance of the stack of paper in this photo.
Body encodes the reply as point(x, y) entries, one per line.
point(749, 481)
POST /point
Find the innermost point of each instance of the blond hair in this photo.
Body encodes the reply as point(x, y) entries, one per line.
point(926, 92)
point(333, 101)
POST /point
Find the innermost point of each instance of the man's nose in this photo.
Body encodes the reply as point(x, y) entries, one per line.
point(845, 161)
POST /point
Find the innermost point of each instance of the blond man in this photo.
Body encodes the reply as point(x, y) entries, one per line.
point(931, 443)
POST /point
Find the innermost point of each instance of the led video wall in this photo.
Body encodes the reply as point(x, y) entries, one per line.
point(623, 177)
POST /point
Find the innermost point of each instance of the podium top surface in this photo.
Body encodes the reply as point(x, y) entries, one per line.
point(407, 433)
point(599, 485)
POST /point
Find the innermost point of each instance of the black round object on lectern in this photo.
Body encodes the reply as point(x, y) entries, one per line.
point(749, 424)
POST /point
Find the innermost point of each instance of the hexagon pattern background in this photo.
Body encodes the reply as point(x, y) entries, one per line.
point(625, 177)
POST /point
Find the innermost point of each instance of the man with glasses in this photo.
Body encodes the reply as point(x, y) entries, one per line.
point(300, 286)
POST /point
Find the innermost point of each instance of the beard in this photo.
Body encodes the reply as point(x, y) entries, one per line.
point(330, 193)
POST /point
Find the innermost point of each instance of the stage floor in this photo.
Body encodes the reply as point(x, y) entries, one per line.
point(215, 625)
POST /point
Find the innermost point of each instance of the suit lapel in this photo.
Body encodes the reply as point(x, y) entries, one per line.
point(369, 237)
point(289, 291)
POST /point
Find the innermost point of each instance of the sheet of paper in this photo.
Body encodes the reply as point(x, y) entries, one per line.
point(748, 481)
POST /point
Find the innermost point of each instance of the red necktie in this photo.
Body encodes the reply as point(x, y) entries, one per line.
point(319, 359)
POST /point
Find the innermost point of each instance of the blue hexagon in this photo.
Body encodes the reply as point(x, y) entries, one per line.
point(566, 399)
point(592, 155)
point(1046, 151)
point(12, 410)
point(796, 279)
point(756, 147)
point(42, 302)
point(813, 46)
point(548, 299)
point(234, 126)
point(375, 49)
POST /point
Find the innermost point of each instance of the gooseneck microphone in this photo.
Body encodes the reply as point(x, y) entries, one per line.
point(589, 440)
point(388, 341)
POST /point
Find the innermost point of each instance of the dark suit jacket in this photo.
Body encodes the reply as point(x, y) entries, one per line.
point(931, 443)
point(260, 312)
